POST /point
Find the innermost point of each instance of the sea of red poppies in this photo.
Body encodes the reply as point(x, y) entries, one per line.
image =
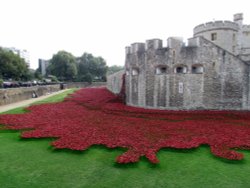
point(95, 116)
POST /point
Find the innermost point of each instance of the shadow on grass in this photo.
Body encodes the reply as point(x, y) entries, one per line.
point(8, 131)
point(20, 110)
point(94, 147)
point(176, 150)
point(236, 162)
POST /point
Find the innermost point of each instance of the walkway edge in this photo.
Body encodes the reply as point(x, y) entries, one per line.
point(26, 103)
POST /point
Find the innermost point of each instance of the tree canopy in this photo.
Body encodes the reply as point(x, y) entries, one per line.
point(12, 66)
point(90, 67)
point(86, 68)
point(63, 66)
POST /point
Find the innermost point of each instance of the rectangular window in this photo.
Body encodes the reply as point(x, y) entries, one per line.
point(213, 36)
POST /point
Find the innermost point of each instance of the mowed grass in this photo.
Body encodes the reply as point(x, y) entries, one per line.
point(33, 163)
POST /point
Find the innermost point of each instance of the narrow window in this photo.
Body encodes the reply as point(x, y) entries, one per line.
point(173, 56)
point(135, 72)
point(127, 72)
point(213, 36)
point(181, 70)
point(198, 69)
point(161, 70)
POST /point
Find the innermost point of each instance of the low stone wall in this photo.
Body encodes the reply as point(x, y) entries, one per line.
point(11, 95)
point(114, 82)
point(84, 84)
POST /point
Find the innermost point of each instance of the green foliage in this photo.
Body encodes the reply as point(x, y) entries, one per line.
point(86, 68)
point(113, 69)
point(63, 66)
point(53, 78)
point(91, 67)
point(38, 74)
point(12, 66)
point(29, 76)
point(88, 78)
point(1, 83)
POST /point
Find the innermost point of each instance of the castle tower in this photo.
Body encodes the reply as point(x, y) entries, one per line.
point(243, 40)
point(238, 18)
point(222, 33)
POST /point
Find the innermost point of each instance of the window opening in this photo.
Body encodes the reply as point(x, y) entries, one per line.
point(213, 36)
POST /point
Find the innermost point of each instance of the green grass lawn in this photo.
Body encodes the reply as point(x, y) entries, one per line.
point(33, 163)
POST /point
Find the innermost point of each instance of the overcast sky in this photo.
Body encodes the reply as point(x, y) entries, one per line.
point(104, 27)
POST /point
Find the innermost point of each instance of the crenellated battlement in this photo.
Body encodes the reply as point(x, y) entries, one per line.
point(245, 27)
point(141, 47)
point(154, 44)
point(215, 26)
point(137, 47)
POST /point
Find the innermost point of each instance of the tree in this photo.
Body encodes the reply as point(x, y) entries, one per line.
point(63, 66)
point(12, 66)
point(38, 74)
point(91, 67)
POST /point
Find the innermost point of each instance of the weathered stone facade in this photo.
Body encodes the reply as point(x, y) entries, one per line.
point(114, 82)
point(207, 73)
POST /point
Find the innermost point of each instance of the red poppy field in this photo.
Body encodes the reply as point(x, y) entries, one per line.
point(94, 116)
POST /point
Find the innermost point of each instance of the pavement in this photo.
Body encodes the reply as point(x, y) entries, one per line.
point(27, 102)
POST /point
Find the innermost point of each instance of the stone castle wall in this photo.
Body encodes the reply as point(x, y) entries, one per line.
point(220, 85)
point(212, 72)
point(114, 82)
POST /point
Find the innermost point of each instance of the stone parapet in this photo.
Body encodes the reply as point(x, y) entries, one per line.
point(216, 26)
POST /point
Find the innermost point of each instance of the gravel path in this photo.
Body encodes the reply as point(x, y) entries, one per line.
point(27, 102)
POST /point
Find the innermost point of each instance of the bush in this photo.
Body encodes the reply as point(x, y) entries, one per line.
point(1, 83)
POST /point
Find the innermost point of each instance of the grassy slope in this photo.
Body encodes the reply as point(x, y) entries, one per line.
point(34, 163)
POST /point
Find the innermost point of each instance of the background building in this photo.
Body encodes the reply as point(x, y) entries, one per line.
point(42, 66)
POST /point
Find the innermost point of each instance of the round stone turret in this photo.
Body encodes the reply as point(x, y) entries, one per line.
point(222, 33)
point(217, 25)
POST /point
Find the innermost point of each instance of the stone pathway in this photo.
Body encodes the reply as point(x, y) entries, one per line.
point(25, 103)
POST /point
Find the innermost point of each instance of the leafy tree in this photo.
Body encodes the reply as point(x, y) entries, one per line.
point(38, 74)
point(12, 66)
point(91, 67)
point(1, 83)
point(53, 78)
point(63, 66)
point(30, 75)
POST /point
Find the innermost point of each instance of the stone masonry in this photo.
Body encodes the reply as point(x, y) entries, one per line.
point(210, 72)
